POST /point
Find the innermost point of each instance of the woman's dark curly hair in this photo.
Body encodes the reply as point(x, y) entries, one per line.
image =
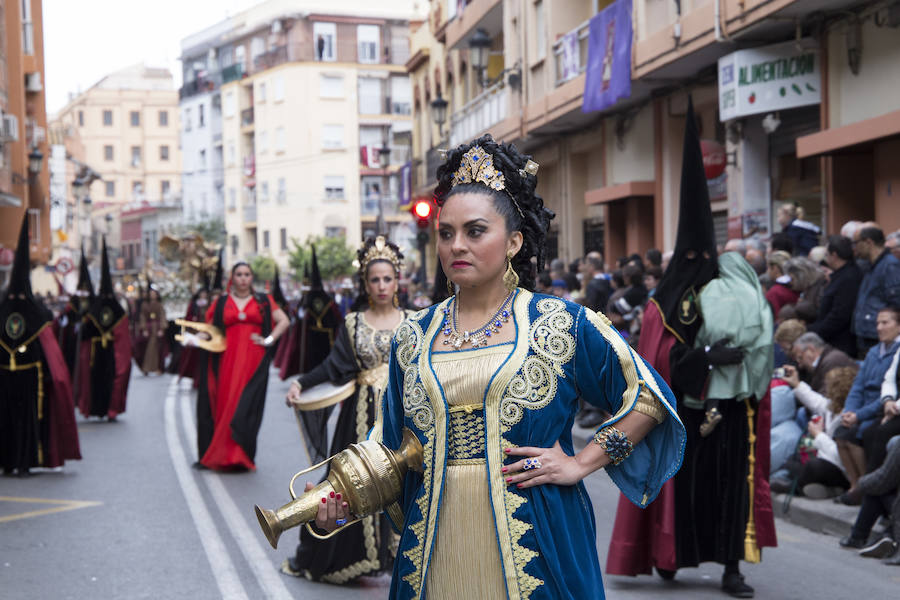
point(534, 220)
point(362, 296)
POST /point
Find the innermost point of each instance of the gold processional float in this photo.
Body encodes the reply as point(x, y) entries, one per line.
point(369, 475)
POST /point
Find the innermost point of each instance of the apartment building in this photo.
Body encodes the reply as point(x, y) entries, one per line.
point(612, 173)
point(125, 128)
point(314, 108)
point(24, 176)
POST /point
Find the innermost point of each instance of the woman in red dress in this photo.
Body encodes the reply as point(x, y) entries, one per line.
point(232, 396)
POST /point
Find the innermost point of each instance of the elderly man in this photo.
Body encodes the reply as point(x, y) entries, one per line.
point(816, 358)
point(892, 243)
point(879, 288)
point(839, 296)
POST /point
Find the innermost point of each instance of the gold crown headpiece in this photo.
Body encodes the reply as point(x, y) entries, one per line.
point(477, 166)
point(380, 250)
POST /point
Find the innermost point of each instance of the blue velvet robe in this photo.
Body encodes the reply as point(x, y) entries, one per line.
point(546, 534)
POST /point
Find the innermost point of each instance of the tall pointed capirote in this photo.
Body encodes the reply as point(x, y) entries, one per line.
point(315, 282)
point(277, 293)
point(694, 262)
point(20, 278)
point(106, 284)
point(84, 276)
point(220, 271)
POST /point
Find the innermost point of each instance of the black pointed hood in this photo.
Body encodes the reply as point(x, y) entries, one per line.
point(315, 282)
point(22, 315)
point(106, 312)
point(81, 300)
point(220, 272)
point(306, 274)
point(277, 293)
point(694, 261)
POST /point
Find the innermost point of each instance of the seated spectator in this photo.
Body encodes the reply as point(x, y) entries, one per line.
point(786, 334)
point(654, 257)
point(817, 254)
point(881, 498)
point(808, 280)
point(880, 286)
point(839, 296)
point(804, 235)
point(822, 475)
point(651, 279)
point(892, 243)
point(757, 260)
point(863, 406)
point(816, 358)
point(544, 284)
point(875, 440)
point(780, 293)
point(597, 288)
point(560, 289)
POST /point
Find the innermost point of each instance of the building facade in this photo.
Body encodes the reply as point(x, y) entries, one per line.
point(305, 95)
point(612, 175)
point(126, 129)
point(24, 176)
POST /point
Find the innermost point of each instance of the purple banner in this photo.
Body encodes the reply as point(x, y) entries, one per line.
point(609, 57)
point(405, 184)
point(569, 47)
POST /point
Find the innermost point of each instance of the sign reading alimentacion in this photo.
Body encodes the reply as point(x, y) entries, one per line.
point(767, 79)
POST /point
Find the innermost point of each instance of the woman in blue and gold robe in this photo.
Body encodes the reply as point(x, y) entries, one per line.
point(500, 510)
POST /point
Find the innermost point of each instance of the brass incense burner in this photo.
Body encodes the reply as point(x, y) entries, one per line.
point(368, 475)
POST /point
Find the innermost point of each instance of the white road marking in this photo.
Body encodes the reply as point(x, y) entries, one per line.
point(227, 580)
point(248, 540)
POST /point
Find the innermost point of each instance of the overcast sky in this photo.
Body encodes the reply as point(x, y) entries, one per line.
point(84, 40)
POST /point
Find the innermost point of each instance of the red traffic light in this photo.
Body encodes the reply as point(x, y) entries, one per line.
point(422, 209)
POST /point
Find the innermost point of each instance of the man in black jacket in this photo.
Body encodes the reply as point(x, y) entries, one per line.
point(839, 296)
point(596, 286)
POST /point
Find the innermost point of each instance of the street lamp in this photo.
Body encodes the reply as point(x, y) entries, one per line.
point(384, 161)
point(479, 48)
point(35, 161)
point(439, 112)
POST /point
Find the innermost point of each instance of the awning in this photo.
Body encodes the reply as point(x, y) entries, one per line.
point(844, 138)
point(621, 191)
point(9, 200)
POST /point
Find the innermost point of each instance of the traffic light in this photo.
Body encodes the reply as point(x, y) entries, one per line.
point(421, 210)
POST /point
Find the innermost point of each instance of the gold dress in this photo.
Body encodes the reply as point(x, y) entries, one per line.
point(464, 565)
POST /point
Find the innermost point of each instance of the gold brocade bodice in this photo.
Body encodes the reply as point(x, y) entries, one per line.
point(466, 559)
point(372, 346)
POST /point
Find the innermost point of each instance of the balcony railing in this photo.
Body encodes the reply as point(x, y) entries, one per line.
point(247, 117)
point(249, 214)
point(369, 205)
point(271, 58)
point(200, 85)
point(487, 109)
point(570, 54)
point(232, 73)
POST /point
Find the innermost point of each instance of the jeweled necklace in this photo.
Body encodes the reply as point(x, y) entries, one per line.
point(480, 336)
point(242, 316)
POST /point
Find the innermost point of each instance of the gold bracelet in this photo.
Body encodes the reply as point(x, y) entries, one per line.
point(616, 443)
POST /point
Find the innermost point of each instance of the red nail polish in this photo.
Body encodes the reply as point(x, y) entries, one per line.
point(518, 485)
point(507, 450)
point(504, 470)
point(508, 479)
point(323, 500)
point(338, 497)
point(332, 494)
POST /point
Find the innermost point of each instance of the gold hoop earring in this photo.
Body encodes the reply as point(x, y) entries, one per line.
point(371, 302)
point(396, 300)
point(510, 277)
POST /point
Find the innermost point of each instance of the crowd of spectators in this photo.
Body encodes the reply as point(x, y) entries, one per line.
point(836, 304)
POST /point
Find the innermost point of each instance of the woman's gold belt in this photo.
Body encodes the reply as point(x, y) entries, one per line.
point(376, 377)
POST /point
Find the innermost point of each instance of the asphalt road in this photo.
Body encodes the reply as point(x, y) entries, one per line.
point(134, 520)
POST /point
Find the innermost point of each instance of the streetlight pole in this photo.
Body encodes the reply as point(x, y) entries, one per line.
point(384, 160)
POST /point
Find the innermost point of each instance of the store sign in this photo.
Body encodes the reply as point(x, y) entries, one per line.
point(714, 161)
point(767, 79)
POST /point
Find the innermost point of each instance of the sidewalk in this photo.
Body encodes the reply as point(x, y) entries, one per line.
point(821, 516)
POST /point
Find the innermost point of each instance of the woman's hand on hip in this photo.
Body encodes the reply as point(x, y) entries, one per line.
point(552, 466)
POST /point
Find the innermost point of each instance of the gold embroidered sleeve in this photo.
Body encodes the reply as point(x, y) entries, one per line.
point(648, 405)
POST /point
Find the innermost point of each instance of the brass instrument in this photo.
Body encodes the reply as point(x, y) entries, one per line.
point(369, 475)
point(215, 343)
